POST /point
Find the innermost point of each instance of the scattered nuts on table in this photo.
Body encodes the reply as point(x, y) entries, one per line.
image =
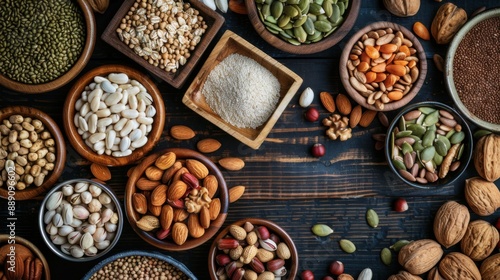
point(30, 146)
point(487, 157)
point(114, 115)
point(479, 241)
point(482, 196)
point(456, 265)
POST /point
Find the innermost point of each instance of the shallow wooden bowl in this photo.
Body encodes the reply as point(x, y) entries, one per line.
point(350, 16)
point(291, 264)
point(344, 73)
point(50, 124)
point(231, 43)
point(168, 244)
point(214, 22)
point(87, 50)
point(69, 112)
point(5, 239)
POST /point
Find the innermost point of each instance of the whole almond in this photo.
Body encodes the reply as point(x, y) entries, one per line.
point(367, 118)
point(180, 214)
point(197, 168)
point(327, 100)
point(176, 190)
point(232, 163)
point(194, 226)
point(214, 208)
point(170, 172)
point(101, 172)
point(166, 160)
point(153, 173)
point(159, 195)
point(343, 104)
point(205, 217)
point(235, 193)
point(155, 210)
point(208, 145)
point(182, 132)
point(210, 182)
point(179, 233)
point(166, 216)
point(140, 203)
point(355, 116)
point(145, 184)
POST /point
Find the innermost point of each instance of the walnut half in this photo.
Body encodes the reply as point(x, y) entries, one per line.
point(338, 127)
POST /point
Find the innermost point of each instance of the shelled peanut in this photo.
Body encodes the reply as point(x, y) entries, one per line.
point(251, 252)
point(383, 66)
point(176, 198)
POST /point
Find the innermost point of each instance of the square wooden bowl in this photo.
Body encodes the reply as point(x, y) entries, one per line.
point(213, 20)
point(228, 44)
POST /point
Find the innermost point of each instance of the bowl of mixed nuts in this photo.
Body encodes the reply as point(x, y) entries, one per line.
point(32, 152)
point(114, 115)
point(428, 145)
point(176, 199)
point(254, 247)
point(80, 220)
point(383, 66)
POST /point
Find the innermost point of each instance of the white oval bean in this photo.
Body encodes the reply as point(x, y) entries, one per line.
point(101, 129)
point(107, 152)
point(127, 128)
point(80, 131)
point(100, 152)
point(113, 98)
point(124, 99)
point(124, 144)
point(135, 134)
point(82, 124)
point(132, 102)
point(133, 90)
point(125, 86)
point(117, 108)
point(110, 138)
point(85, 109)
point(85, 135)
point(119, 78)
point(96, 92)
point(139, 142)
point(99, 79)
point(145, 120)
point(150, 111)
point(122, 154)
point(107, 86)
point(92, 86)
point(117, 141)
point(115, 148)
point(99, 145)
point(93, 123)
point(130, 113)
point(148, 128)
point(146, 97)
point(141, 105)
point(94, 138)
point(142, 114)
point(87, 116)
point(104, 122)
point(75, 120)
point(102, 105)
point(120, 124)
point(144, 129)
point(103, 113)
point(137, 84)
point(115, 118)
point(95, 104)
point(78, 104)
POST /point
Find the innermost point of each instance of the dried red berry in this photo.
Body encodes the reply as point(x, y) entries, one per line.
point(336, 268)
point(318, 150)
point(400, 205)
point(311, 114)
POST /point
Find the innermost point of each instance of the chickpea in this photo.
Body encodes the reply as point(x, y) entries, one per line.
point(33, 136)
point(23, 135)
point(20, 186)
point(41, 162)
point(45, 135)
point(26, 143)
point(50, 157)
point(37, 124)
point(32, 156)
point(17, 127)
point(23, 151)
point(27, 126)
point(16, 119)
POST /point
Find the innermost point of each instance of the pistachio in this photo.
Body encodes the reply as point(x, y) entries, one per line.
point(86, 241)
point(54, 200)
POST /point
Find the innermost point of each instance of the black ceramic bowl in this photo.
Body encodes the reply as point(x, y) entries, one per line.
point(392, 153)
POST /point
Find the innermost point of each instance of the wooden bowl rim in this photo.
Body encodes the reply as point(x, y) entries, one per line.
point(330, 41)
point(344, 75)
point(57, 135)
point(23, 241)
point(285, 237)
point(466, 156)
point(77, 67)
point(190, 243)
point(69, 110)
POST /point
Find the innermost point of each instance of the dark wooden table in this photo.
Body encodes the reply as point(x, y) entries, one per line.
point(285, 184)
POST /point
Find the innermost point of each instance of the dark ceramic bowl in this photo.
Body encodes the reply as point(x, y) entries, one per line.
point(466, 154)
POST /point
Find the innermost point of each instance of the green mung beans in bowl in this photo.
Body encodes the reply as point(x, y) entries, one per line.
point(44, 43)
point(428, 145)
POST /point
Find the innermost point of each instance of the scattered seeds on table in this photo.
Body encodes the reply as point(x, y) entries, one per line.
point(321, 230)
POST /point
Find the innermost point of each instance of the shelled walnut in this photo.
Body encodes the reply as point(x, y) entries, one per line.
point(338, 127)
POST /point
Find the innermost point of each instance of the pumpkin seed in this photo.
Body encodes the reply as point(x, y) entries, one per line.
point(316, 9)
point(327, 6)
point(283, 20)
point(399, 244)
point(347, 246)
point(300, 34)
point(416, 129)
point(291, 11)
point(406, 148)
point(304, 6)
point(293, 2)
point(403, 133)
point(266, 10)
point(480, 133)
point(417, 146)
point(441, 148)
point(450, 133)
point(273, 26)
point(444, 139)
point(427, 154)
point(300, 21)
point(402, 124)
point(428, 138)
point(339, 22)
point(276, 9)
point(335, 16)
point(372, 218)
point(457, 137)
point(309, 26)
point(342, 7)
point(293, 42)
point(427, 110)
point(322, 25)
point(321, 230)
point(285, 35)
point(331, 31)
point(386, 256)
point(272, 30)
point(460, 152)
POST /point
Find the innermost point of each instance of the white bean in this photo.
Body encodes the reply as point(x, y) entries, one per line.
point(132, 102)
point(86, 135)
point(117, 141)
point(94, 138)
point(127, 128)
point(110, 138)
point(85, 109)
point(148, 128)
point(80, 131)
point(119, 78)
point(130, 113)
point(103, 113)
point(115, 118)
point(107, 86)
point(117, 108)
point(115, 148)
point(139, 142)
point(135, 134)
point(92, 86)
point(122, 154)
point(102, 105)
point(82, 124)
point(104, 122)
point(141, 105)
point(75, 120)
point(124, 99)
point(99, 145)
point(133, 90)
point(107, 152)
point(99, 79)
point(101, 129)
point(120, 124)
point(78, 104)
point(94, 93)
point(95, 104)
point(150, 111)
point(124, 144)
point(145, 120)
point(93, 123)
point(113, 98)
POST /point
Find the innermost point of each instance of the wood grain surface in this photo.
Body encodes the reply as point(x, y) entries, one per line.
point(284, 183)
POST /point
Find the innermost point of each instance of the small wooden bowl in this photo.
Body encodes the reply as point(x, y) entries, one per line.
point(4, 240)
point(214, 22)
point(231, 43)
point(50, 124)
point(69, 112)
point(90, 30)
point(168, 244)
point(350, 16)
point(344, 73)
point(291, 264)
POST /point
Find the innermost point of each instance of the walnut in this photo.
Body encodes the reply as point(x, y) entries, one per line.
point(447, 21)
point(402, 8)
point(338, 127)
point(487, 157)
point(450, 223)
point(479, 241)
point(456, 265)
point(482, 196)
point(490, 268)
point(404, 275)
point(418, 257)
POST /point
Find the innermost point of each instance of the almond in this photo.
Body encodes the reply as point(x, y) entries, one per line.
point(210, 182)
point(145, 184)
point(355, 116)
point(101, 172)
point(327, 100)
point(214, 208)
point(181, 132)
point(154, 209)
point(180, 214)
point(208, 145)
point(232, 163)
point(205, 217)
point(197, 168)
point(367, 118)
point(194, 226)
point(343, 104)
point(179, 233)
point(166, 216)
point(178, 174)
point(140, 203)
point(235, 193)
point(176, 190)
point(169, 173)
point(166, 160)
point(159, 195)
point(153, 173)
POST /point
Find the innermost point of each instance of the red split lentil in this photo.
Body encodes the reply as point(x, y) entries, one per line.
point(475, 70)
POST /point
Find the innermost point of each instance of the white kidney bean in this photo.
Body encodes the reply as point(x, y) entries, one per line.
point(119, 78)
point(110, 138)
point(107, 86)
point(124, 144)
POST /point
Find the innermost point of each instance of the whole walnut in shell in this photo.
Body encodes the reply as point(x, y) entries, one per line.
point(455, 266)
point(448, 20)
point(490, 268)
point(450, 223)
point(404, 275)
point(419, 256)
point(482, 196)
point(434, 274)
point(402, 8)
point(487, 157)
point(479, 241)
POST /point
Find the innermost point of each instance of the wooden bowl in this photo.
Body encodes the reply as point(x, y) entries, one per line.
point(50, 124)
point(344, 73)
point(350, 17)
point(168, 244)
point(291, 264)
point(5, 239)
point(69, 112)
point(231, 43)
point(214, 22)
point(87, 50)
